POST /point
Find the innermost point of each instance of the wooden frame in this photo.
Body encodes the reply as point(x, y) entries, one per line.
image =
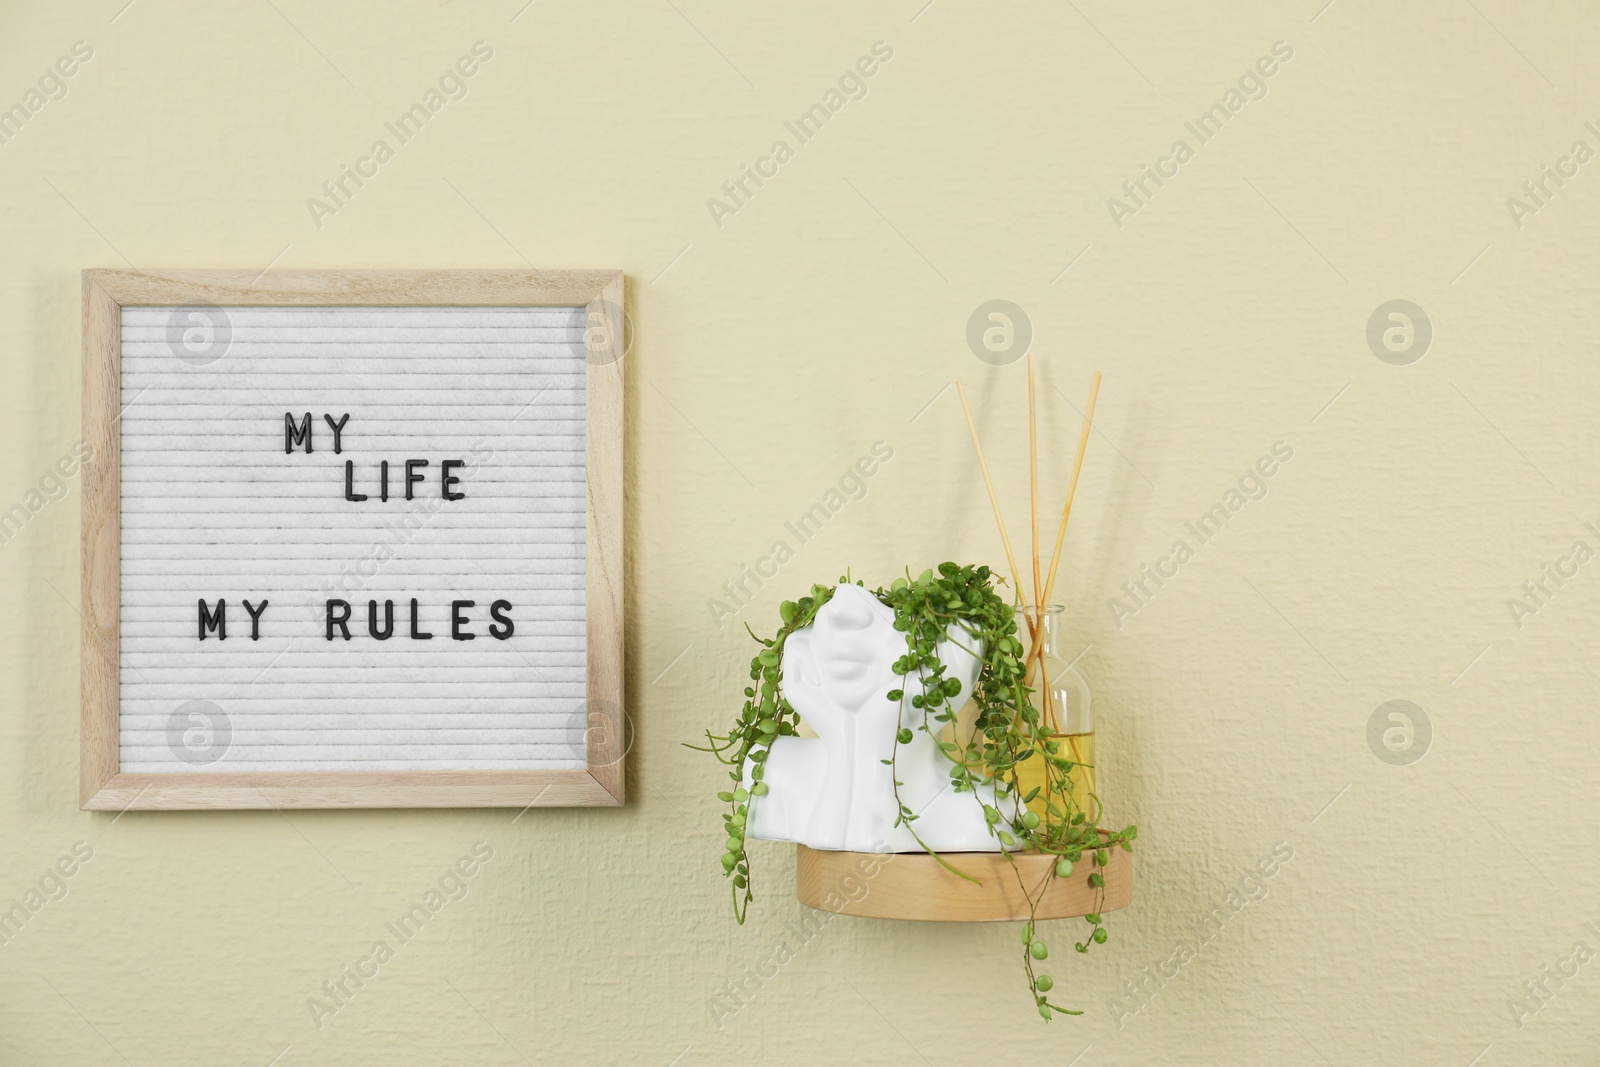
point(103, 787)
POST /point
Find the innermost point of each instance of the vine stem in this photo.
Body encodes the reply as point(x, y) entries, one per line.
point(894, 776)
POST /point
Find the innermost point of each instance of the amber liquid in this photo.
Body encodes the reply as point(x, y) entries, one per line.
point(1080, 779)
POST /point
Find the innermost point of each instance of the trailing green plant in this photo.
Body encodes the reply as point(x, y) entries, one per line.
point(957, 604)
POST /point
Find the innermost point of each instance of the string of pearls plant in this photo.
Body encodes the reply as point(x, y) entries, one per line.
point(956, 603)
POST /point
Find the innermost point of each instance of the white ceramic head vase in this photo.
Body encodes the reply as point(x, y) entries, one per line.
point(834, 791)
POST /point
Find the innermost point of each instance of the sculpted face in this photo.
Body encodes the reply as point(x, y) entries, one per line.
point(852, 654)
point(848, 651)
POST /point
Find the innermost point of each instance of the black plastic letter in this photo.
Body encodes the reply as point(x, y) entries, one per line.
point(295, 435)
point(217, 622)
point(458, 620)
point(255, 619)
point(499, 611)
point(416, 634)
point(338, 428)
point(412, 478)
point(350, 493)
point(341, 620)
point(450, 479)
point(388, 619)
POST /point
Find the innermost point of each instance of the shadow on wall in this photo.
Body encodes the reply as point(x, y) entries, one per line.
point(44, 548)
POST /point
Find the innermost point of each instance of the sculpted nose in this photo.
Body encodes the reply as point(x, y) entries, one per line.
point(849, 613)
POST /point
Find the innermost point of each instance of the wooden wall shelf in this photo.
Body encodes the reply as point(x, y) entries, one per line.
point(915, 886)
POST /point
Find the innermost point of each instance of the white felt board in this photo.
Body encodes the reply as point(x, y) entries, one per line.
point(213, 508)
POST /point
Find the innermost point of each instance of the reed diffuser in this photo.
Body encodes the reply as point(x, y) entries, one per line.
point(1057, 690)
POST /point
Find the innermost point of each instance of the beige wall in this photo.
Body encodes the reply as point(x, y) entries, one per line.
point(1228, 313)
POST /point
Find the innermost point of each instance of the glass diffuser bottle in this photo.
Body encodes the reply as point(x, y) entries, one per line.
point(1061, 695)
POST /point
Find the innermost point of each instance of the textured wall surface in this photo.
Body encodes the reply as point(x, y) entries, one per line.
point(1434, 909)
